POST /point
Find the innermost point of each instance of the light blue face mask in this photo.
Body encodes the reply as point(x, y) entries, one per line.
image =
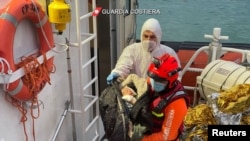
point(157, 86)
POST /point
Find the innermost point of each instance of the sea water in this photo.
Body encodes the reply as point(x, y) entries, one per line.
point(190, 20)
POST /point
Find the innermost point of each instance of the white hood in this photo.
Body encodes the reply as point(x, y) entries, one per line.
point(153, 26)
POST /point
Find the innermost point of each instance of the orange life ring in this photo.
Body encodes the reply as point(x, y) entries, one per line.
point(11, 16)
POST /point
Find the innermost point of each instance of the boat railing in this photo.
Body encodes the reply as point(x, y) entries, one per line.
point(214, 50)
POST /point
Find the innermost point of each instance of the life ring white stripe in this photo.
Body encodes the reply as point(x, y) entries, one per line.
point(43, 22)
point(10, 18)
point(17, 89)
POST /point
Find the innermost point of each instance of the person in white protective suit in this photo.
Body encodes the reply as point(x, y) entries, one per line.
point(136, 57)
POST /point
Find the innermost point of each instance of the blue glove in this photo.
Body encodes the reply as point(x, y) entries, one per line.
point(112, 76)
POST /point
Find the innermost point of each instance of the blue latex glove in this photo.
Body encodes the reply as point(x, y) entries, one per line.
point(112, 76)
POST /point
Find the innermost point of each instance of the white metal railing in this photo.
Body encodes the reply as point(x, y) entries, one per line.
point(213, 49)
point(89, 100)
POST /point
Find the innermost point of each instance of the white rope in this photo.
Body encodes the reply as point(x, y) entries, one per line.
point(4, 74)
point(2, 62)
point(58, 51)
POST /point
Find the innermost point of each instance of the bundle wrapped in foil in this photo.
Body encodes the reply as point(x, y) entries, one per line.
point(245, 119)
point(198, 133)
point(199, 115)
point(221, 117)
point(234, 100)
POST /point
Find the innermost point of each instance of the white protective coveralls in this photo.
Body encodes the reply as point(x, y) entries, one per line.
point(136, 59)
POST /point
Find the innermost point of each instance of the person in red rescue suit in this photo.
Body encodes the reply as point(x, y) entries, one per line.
point(136, 57)
point(170, 102)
